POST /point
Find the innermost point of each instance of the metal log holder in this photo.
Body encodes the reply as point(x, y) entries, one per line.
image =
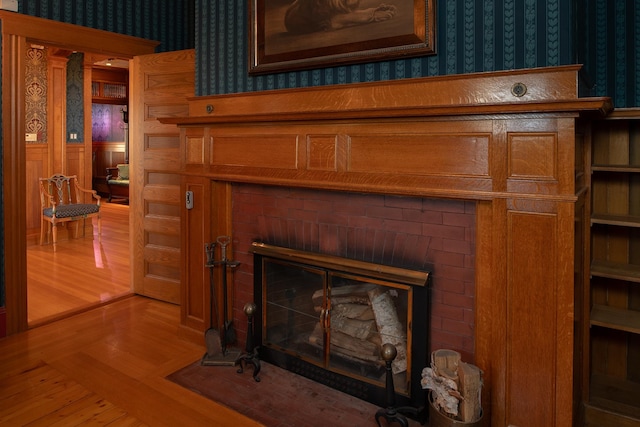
point(391, 413)
point(250, 354)
point(225, 357)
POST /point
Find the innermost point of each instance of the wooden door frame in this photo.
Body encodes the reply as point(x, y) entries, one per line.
point(18, 31)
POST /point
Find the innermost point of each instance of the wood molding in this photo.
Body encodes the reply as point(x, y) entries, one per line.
point(548, 90)
point(74, 37)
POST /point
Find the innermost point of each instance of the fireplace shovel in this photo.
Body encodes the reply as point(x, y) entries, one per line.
point(216, 354)
point(229, 332)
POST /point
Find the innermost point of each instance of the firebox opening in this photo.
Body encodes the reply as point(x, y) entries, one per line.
point(327, 317)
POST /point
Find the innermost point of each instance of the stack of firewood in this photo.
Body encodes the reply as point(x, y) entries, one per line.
point(455, 385)
point(363, 317)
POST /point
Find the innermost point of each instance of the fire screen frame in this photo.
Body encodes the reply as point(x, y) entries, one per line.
point(415, 282)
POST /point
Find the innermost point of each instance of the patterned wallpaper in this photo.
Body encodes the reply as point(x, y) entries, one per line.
point(36, 96)
point(106, 123)
point(75, 95)
point(471, 36)
point(609, 46)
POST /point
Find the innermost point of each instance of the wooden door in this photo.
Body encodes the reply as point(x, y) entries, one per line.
point(160, 85)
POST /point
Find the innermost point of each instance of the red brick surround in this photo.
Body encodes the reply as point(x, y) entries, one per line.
point(432, 234)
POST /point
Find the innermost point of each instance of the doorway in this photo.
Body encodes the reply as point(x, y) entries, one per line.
point(18, 32)
point(84, 271)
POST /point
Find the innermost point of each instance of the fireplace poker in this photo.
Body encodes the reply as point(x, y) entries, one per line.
point(211, 335)
point(229, 333)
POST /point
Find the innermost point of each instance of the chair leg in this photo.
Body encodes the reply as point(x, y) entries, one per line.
point(41, 231)
point(99, 229)
point(54, 231)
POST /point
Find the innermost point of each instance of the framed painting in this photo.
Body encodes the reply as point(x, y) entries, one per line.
point(286, 35)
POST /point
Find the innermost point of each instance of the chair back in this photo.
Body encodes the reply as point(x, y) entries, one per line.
point(59, 190)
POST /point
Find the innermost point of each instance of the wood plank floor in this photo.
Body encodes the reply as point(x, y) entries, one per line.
point(83, 272)
point(105, 366)
point(95, 354)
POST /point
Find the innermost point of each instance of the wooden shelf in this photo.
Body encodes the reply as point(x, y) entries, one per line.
point(620, 220)
point(616, 168)
point(632, 113)
point(619, 319)
point(109, 86)
point(620, 398)
point(614, 287)
point(612, 270)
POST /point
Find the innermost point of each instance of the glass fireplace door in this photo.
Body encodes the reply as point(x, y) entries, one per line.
point(293, 303)
point(366, 313)
point(327, 318)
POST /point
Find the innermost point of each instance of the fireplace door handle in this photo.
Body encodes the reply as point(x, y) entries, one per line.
point(324, 318)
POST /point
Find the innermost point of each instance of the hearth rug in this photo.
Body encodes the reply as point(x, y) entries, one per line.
point(281, 398)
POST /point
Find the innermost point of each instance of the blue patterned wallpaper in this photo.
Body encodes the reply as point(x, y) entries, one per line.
point(75, 96)
point(471, 36)
point(609, 47)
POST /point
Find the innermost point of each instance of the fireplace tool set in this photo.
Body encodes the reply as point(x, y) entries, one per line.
point(217, 342)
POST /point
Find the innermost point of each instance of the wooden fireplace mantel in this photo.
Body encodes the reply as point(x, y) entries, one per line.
point(516, 142)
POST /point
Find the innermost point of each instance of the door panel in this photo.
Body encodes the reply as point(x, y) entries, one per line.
point(160, 85)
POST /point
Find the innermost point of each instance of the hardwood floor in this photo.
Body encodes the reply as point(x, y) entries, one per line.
point(105, 366)
point(95, 354)
point(83, 272)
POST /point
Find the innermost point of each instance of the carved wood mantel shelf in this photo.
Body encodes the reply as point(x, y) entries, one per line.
point(515, 142)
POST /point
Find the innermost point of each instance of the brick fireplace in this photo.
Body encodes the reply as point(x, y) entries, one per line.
point(434, 235)
point(416, 233)
point(484, 183)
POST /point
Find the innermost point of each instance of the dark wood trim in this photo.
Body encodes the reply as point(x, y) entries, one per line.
point(14, 182)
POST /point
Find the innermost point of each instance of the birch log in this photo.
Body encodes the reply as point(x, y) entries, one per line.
point(356, 294)
point(360, 329)
point(345, 345)
point(443, 391)
point(389, 326)
point(470, 387)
